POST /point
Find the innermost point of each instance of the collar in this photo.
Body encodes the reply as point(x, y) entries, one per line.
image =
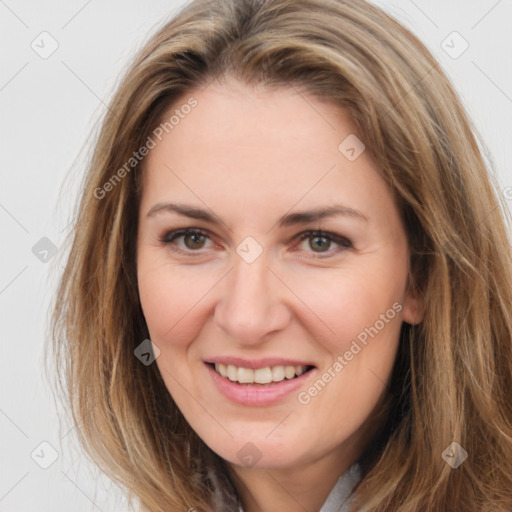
point(338, 499)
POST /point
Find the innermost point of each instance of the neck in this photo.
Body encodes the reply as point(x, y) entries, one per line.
point(304, 487)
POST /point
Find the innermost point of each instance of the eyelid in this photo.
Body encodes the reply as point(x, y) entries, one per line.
point(343, 242)
point(183, 231)
point(338, 239)
point(177, 233)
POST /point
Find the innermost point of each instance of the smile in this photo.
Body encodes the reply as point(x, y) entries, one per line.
point(262, 386)
point(264, 376)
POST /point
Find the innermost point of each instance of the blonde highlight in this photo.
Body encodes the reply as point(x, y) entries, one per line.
point(454, 369)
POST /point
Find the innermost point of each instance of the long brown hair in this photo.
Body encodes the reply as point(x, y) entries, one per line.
point(453, 375)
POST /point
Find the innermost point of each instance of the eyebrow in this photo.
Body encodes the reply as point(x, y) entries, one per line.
point(289, 219)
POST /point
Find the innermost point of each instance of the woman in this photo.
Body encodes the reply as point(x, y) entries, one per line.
point(289, 284)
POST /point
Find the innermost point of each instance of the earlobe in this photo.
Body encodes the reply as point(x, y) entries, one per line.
point(413, 310)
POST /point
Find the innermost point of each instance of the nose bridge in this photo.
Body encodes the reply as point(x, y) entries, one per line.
point(252, 304)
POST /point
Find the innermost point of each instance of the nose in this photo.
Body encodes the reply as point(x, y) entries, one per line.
point(253, 303)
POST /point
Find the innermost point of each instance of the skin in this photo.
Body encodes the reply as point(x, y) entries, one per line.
point(251, 155)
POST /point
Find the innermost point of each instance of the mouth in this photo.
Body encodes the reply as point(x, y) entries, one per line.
point(260, 377)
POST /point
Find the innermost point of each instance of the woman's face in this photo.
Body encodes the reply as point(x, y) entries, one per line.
point(256, 290)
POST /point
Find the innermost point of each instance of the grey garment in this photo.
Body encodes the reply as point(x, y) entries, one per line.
point(339, 497)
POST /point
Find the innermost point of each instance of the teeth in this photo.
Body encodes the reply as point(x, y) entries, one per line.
point(245, 375)
point(221, 368)
point(261, 375)
point(289, 372)
point(278, 373)
point(232, 373)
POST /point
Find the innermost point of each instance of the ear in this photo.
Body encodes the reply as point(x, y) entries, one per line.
point(413, 309)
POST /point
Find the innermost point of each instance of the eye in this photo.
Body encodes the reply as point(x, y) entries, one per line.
point(321, 241)
point(193, 240)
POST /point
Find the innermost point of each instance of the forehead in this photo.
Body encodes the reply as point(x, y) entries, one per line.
point(256, 147)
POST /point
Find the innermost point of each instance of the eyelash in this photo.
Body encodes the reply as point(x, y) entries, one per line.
point(171, 236)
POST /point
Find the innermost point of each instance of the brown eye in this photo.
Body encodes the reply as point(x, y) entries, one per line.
point(186, 241)
point(194, 240)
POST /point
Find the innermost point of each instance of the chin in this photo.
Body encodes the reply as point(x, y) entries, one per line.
point(261, 452)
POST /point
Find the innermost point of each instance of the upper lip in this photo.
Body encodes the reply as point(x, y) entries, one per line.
point(257, 363)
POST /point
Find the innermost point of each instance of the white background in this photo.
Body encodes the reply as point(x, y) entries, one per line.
point(48, 109)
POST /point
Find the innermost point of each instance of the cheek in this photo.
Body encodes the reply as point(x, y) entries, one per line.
point(362, 310)
point(344, 306)
point(360, 353)
point(170, 299)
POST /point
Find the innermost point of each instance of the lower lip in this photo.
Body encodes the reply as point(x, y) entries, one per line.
point(257, 395)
